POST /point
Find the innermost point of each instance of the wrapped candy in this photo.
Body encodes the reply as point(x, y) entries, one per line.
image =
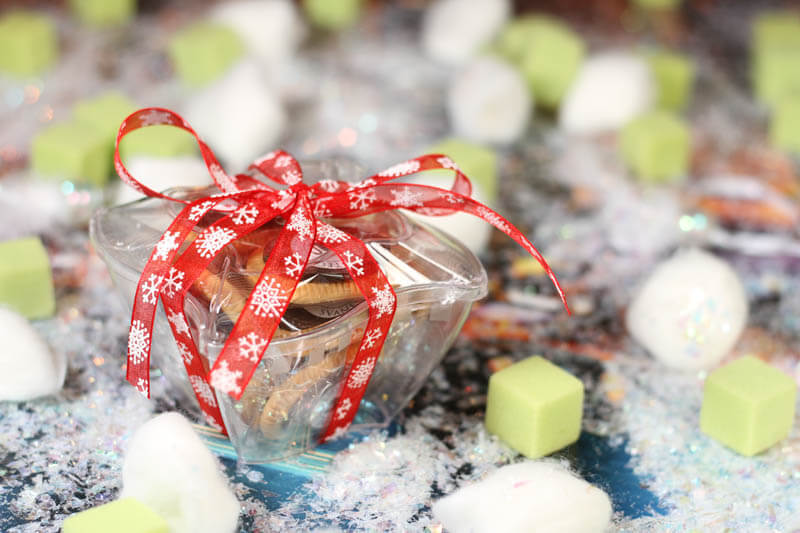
point(292, 307)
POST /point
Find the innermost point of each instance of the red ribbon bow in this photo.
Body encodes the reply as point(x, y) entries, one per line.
point(249, 204)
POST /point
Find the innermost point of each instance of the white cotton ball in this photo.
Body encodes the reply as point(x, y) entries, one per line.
point(610, 89)
point(160, 173)
point(271, 29)
point(35, 205)
point(239, 116)
point(489, 102)
point(690, 311)
point(28, 367)
point(454, 30)
point(168, 468)
point(530, 496)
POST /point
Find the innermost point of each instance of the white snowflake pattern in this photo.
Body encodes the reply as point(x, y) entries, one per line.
point(150, 289)
point(246, 214)
point(294, 265)
point(213, 240)
point(383, 301)
point(186, 353)
point(225, 379)
point(212, 423)
point(268, 298)
point(283, 161)
point(167, 243)
point(173, 282)
point(354, 263)
point(138, 342)
point(369, 182)
point(338, 432)
point(284, 199)
point(361, 374)
point(197, 212)
point(493, 218)
point(221, 177)
point(270, 156)
point(400, 169)
point(446, 162)
point(372, 336)
point(452, 198)
point(202, 390)
point(343, 409)
point(251, 346)
point(321, 208)
point(329, 185)
point(300, 223)
point(154, 117)
point(327, 234)
point(406, 198)
point(361, 198)
point(292, 176)
point(177, 320)
point(141, 385)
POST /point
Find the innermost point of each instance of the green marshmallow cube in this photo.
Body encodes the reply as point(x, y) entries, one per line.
point(547, 52)
point(784, 130)
point(159, 141)
point(121, 516)
point(104, 113)
point(776, 56)
point(658, 4)
point(103, 13)
point(748, 405)
point(72, 151)
point(656, 146)
point(203, 51)
point(477, 162)
point(674, 76)
point(28, 43)
point(336, 15)
point(26, 281)
point(535, 407)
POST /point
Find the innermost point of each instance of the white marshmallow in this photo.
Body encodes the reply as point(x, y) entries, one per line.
point(168, 468)
point(271, 29)
point(489, 102)
point(28, 367)
point(453, 31)
point(160, 173)
point(525, 497)
point(690, 311)
point(470, 230)
point(610, 89)
point(239, 116)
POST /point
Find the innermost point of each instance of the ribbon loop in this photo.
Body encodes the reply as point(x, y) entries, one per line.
point(246, 205)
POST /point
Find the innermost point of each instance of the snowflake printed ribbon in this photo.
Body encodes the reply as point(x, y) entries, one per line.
point(246, 204)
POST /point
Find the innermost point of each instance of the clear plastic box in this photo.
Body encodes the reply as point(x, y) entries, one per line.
point(285, 407)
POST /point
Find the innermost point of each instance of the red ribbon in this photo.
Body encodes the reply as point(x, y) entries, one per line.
point(249, 204)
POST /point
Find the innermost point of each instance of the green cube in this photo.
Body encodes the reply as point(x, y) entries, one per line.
point(203, 52)
point(121, 516)
point(656, 146)
point(784, 129)
point(776, 56)
point(336, 15)
point(159, 141)
point(547, 52)
point(28, 43)
point(104, 113)
point(748, 405)
point(535, 407)
point(658, 4)
point(103, 13)
point(26, 281)
point(478, 162)
point(72, 151)
point(674, 76)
